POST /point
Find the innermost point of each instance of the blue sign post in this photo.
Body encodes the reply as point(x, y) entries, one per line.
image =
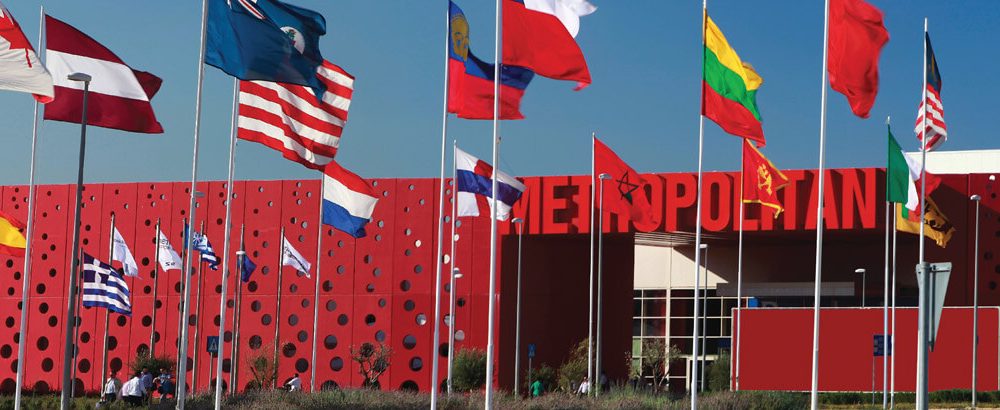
point(213, 345)
point(531, 350)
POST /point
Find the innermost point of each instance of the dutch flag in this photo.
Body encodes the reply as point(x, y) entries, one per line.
point(104, 287)
point(348, 200)
point(474, 177)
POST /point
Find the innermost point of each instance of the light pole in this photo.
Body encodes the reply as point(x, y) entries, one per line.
point(69, 347)
point(600, 307)
point(862, 272)
point(519, 223)
point(455, 276)
point(704, 322)
point(975, 301)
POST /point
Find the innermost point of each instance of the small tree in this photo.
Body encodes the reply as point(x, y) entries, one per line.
point(718, 373)
point(469, 370)
point(373, 361)
point(143, 360)
point(263, 367)
point(656, 356)
point(574, 369)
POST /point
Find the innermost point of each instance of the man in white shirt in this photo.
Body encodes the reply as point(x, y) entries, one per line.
point(132, 391)
point(111, 387)
point(584, 386)
point(294, 384)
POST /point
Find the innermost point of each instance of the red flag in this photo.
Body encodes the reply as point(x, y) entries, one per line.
point(540, 35)
point(761, 179)
point(857, 35)
point(119, 96)
point(20, 69)
point(625, 193)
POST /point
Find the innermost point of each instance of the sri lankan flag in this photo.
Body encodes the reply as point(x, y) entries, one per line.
point(12, 241)
point(729, 87)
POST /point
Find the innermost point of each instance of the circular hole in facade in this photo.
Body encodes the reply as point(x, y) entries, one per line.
point(331, 306)
point(336, 364)
point(288, 350)
point(421, 319)
point(255, 306)
point(409, 386)
point(416, 364)
point(409, 305)
point(409, 342)
point(459, 335)
point(255, 342)
point(380, 336)
point(266, 319)
point(404, 285)
point(301, 365)
point(342, 320)
point(330, 342)
point(370, 319)
point(293, 320)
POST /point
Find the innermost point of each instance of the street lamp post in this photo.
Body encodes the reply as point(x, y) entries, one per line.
point(862, 272)
point(455, 276)
point(69, 347)
point(519, 223)
point(704, 322)
point(975, 301)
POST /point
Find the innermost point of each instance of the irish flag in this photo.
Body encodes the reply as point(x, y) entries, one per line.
point(903, 177)
point(729, 87)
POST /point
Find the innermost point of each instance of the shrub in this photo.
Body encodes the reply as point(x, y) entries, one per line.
point(718, 373)
point(574, 369)
point(373, 360)
point(656, 357)
point(468, 370)
point(153, 364)
point(263, 367)
point(544, 373)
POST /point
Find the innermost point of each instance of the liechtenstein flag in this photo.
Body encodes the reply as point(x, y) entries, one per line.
point(474, 177)
point(540, 35)
point(265, 40)
point(348, 200)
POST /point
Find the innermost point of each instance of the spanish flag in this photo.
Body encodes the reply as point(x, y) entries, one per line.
point(12, 241)
point(729, 87)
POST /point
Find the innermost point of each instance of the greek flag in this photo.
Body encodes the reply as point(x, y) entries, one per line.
point(200, 243)
point(104, 287)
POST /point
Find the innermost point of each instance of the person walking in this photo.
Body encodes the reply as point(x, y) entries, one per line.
point(111, 388)
point(132, 391)
point(537, 388)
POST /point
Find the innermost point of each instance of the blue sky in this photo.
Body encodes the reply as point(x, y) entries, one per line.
point(644, 56)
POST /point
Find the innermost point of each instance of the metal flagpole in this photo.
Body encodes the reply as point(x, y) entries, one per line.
point(69, 344)
point(435, 361)
point(975, 304)
point(107, 311)
point(198, 315)
point(885, 311)
point(29, 228)
point(490, 354)
point(277, 306)
point(454, 268)
point(319, 260)
point(697, 233)
point(892, 346)
point(519, 224)
point(704, 321)
point(739, 273)
point(814, 392)
point(180, 319)
point(182, 364)
point(590, 298)
point(923, 307)
point(600, 271)
point(156, 286)
point(225, 247)
point(234, 366)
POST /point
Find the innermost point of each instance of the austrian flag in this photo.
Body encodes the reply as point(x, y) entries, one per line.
point(119, 96)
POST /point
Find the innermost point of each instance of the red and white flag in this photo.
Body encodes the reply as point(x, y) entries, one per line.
point(540, 35)
point(20, 69)
point(290, 119)
point(119, 96)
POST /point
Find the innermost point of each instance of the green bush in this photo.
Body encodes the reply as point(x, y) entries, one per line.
point(469, 370)
point(574, 369)
point(153, 364)
point(718, 373)
point(546, 374)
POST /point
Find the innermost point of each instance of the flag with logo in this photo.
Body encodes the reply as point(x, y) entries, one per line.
point(265, 40)
point(936, 224)
point(291, 257)
point(124, 255)
point(625, 193)
point(474, 180)
point(761, 179)
point(119, 96)
point(20, 68)
point(104, 287)
point(168, 256)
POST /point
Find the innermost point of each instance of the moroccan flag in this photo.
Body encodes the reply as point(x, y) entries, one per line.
point(856, 37)
point(625, 193)
point(902, 175)
point(938, 227)
point(12, 240)
point(729, 87)
point(761, 179)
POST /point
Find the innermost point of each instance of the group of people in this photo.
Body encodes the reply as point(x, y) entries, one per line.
point(584, 387)
point(138, 389)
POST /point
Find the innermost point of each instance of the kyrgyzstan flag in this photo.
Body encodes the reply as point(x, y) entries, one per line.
point(857, 35)
point(119, 96)
point(625, 193)
point(20, 69)
point(540, 35)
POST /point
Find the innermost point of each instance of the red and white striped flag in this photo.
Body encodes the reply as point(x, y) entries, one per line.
point(20, 69)
point(290, 119)
point(931, 108)
point(119, 96)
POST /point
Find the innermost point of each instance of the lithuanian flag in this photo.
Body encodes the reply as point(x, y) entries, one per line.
point(729, 87)
point(12, 241)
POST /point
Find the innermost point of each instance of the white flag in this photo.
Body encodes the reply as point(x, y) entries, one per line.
point(292, 257)
point(124, 255)
point(168, 256)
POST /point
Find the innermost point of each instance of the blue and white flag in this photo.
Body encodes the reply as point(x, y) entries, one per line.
point(200, 243)
point(291, 257)
point(474, 176)
point(246, 267)
point(348, 200)
point(168, 257)
point(104, 287)
point(265, 40)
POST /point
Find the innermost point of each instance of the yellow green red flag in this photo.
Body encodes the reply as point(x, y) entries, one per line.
point(12, 241)
point(729, 87)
